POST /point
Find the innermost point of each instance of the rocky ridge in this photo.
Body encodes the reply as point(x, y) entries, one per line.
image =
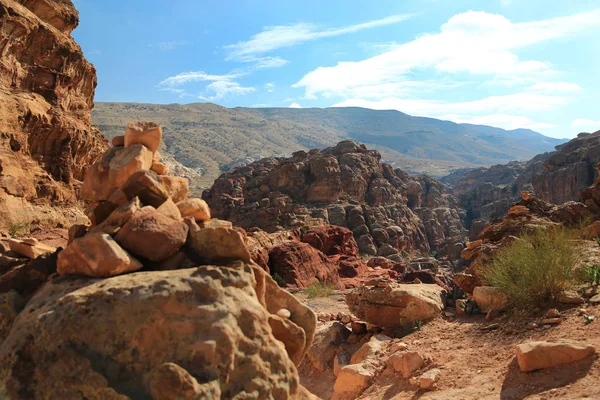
point(46, 94)
point(387, 211)
point(556, 177)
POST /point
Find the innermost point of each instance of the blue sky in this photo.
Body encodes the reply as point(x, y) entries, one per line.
point(506, 63)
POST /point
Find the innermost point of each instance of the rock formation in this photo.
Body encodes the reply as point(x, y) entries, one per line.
point(556, 177)
point(189, 314)
point(46, 94)
point(387, 211)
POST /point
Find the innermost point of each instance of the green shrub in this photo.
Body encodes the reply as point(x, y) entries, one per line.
point(320, 289)
point(278, 279)
point(19, 229)
point(590, 274)
point(535, 269)
point(597, 240)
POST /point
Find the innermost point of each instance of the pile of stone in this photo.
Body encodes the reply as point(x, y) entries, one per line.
point(142, 218)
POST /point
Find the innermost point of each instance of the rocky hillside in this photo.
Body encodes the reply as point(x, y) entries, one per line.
point(556, 177)
point(46, 93)
point(212, 139)
point(346, 185)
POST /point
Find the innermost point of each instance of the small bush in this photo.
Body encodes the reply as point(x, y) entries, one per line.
point(21, 229)
point(597, 240)
point(320, 289)
point(278, 279)
point(535, 269)
point(590, 274)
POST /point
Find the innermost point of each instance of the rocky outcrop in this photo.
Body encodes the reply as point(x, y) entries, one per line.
point(556, 177)
point(46, 94)
point(347, 186)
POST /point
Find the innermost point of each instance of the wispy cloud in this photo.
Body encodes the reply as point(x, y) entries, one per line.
point(270, 86)
point(555, 87)
point(295, 105)
point(280, 36)
point(171, 44)
point(220, 86)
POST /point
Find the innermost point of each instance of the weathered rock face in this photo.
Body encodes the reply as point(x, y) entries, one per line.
point(61, 338)
point(345, 185)
point(556, 177)
point(46, 94)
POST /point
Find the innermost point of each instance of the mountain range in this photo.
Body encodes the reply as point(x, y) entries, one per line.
point(212, 139)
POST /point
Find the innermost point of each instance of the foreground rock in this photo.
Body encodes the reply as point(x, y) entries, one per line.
point(62, 341)
point(532, 356)
point(397, 305)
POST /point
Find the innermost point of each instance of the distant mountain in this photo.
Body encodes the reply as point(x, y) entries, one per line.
point(212, 139)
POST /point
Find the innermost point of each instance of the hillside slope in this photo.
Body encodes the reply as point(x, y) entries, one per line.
point(212, 139)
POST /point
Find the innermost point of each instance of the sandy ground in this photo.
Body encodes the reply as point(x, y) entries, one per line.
point(480, 364)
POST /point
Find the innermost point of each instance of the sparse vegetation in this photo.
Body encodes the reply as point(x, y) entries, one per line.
point(320, 289)
point(597, 240)
point(16, 229)
point(590, 274)
point(278, 279)
point(469, 307)
point(535, 269)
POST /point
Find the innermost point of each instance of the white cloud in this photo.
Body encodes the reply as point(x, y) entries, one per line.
point(219, 87)
point(280, 36)
point(172, 44)
point(267, 62)
point(477, 43)
point(295, 105)
point(555, 87)
point(270, 86)
point(588, 125)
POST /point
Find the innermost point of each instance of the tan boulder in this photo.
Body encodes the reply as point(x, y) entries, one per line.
point(96, 184)
point(196, 208)
point(146, 185)
point(397, 305)
point(215, 223)
point(143, 132)
point(96, 255)
point(406, 362)
point(370, 349)
point(152, 235)
point(211, 319)
point(160, 168)
point(170, 209)
point(570, 297)
point(33, 251)
point(532, 356)
point(218, 244)
point(176, 186)
point(488, 298)
point(328, 338)
point(428, 379)
point(118, 217)
point(127, 161)
point(353, 379)
point(169, 381)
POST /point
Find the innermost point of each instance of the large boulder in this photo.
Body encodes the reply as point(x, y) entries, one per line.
point(532, 356)
point(301, 265)
point(82, 338)
point(152, 235)
point(396, 305)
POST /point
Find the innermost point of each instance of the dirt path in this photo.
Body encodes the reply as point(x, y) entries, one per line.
point(479, 364)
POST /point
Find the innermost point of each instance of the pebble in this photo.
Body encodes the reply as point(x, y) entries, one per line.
point(284, 313)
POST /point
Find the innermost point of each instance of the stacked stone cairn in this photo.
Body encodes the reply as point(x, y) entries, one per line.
point(143, 218)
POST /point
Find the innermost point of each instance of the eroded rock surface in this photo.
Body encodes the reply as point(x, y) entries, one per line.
point(46, 94)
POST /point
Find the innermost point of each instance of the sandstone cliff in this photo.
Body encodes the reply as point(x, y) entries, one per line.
point(46, 94)
point(346, 185)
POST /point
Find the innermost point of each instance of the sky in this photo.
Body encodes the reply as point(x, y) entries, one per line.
point(506, 63)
